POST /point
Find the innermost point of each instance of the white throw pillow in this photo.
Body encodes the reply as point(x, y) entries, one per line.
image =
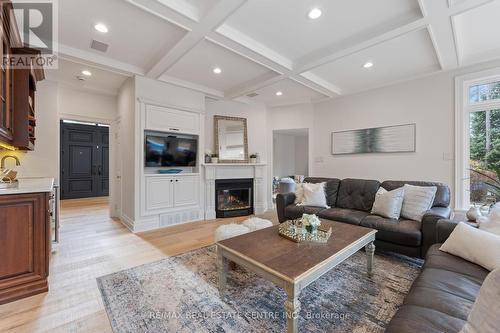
point(388, 203)
point(299, 194)
point(479, 247)
point(417, 200)
point(484, 317)
point(491, 223)
point(314, 195)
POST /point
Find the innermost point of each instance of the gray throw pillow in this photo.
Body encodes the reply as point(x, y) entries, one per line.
point(417, 200)
point(388, 204)
point(485, 314)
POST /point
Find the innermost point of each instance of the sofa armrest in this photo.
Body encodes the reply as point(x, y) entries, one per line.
point(444, 229)
point(282, 201)
point(429, 226)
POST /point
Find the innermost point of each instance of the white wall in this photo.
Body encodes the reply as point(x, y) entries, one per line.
point(256, 123)
point(81, 105)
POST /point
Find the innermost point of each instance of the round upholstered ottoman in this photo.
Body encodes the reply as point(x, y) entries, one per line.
point(256, 223)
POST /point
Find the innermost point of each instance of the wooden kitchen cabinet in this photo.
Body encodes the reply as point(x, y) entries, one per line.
point(24, 245)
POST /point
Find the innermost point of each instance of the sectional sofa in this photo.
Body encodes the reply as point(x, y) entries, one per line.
point(351, 201)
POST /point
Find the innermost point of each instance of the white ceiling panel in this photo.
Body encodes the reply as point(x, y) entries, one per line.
point(135, 36)
point(193, 9)
point(284, 26)
point(478, 34)
point(398, 59)
point(197, 67)
point(292, 92)
point(100, 81)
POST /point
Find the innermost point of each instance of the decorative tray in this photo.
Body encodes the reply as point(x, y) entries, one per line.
point(289, 231)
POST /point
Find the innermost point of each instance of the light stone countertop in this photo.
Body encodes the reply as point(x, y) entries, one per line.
point(30, 185)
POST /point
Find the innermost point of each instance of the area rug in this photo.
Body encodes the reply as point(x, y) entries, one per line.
point(179, 294)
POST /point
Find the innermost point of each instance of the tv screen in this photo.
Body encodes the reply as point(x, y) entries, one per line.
point(170, 151)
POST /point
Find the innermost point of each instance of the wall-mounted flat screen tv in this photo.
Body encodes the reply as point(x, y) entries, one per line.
point(170, 151)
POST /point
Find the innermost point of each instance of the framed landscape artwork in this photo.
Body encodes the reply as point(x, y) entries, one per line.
point(390, 139)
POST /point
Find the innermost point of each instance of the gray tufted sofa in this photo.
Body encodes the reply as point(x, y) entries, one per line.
point(351, 201)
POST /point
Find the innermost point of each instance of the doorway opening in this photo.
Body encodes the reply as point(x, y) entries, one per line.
point(290, 155)
point(84, 154)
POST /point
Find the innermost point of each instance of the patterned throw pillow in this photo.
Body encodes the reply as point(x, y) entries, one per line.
point(388, 204)
point(417, 200)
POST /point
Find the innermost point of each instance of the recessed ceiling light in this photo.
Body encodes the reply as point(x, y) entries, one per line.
point(217, 70)
point(279, 93)
point(101, 28)
point(87, 73)
point(314, 13)
point(368, 65)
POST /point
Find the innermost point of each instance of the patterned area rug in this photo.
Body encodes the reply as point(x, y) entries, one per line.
point(179, 294)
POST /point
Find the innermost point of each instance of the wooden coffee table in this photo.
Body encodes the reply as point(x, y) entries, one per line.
point(290, 265)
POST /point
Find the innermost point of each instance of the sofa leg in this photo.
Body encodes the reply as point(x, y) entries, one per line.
point(370, 251)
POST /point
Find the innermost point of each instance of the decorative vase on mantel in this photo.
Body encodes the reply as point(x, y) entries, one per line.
point(215, 160)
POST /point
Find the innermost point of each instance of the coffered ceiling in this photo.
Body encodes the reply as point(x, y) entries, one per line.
point(267, 46)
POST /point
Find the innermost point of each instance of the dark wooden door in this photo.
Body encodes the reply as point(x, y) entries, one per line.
point(84, 161)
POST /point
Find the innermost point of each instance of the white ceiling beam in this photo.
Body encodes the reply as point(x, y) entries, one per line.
point(168, 14)
point(465, 6)
point(97, 60)
point(257, 83)
point(213, 93)
point(354, 45)
point(440, 28)
point(214, 18)
point(316, 83)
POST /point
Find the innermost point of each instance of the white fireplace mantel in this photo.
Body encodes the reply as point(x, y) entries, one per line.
point(213, 172)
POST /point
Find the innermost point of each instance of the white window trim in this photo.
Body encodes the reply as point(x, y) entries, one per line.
point(462, 123)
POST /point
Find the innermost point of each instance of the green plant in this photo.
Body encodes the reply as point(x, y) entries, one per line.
point(253, 156)
point(214, 155)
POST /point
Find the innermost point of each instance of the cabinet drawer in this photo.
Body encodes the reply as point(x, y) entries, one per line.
point(170, 120)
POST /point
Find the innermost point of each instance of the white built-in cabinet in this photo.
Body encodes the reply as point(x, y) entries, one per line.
point(167, 192)
point(171, 199)
point(170, 120)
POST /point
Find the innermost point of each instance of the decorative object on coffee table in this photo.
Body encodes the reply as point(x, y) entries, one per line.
point(289, 266)
point(290, 231)
point(311, 222)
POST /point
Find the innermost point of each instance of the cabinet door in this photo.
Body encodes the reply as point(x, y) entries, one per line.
point(24, 230)
point(159, 193)
point(170, 120)
point(186, 191)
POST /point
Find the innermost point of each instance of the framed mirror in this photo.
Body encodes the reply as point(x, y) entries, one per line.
point(231, 140)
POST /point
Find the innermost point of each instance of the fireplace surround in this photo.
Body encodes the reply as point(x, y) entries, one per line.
point(234, 197)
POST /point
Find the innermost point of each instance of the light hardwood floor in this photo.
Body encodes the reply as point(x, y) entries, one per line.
point(94, 245)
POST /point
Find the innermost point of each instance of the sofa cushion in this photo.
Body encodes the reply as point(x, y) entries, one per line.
point(457, 284)
point(416, 319)
point(343, 215)
point(442, 198)
point(441, 260)
point(357, 194)
point(331, 188)
point(403, 232)
point(295, 212)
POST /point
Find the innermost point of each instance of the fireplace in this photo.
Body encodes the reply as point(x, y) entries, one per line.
point(233, 197)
